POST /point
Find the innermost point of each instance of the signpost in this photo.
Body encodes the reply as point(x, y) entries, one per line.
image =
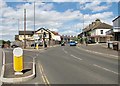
point(36, 37)
point(18, 60)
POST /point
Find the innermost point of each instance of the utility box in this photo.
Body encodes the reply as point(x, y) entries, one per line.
point(115, 46)
point(119, 45)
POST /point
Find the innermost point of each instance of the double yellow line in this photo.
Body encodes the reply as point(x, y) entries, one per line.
point(44, 77)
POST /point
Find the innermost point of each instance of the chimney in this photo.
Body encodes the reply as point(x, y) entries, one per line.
point(97, 21)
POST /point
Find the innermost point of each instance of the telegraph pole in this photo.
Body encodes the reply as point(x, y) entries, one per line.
point(34, 23)
point(18, 26)
point(83, 31)
point(24, 28)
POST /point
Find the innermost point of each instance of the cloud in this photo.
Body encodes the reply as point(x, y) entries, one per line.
point(81, 1)
point(2, 4)
point(49, 18)
point(95, 6)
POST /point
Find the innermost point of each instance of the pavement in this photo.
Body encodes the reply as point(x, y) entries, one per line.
point(7, 72)
point(8, 77)
point(0, 63)
point(99, 49)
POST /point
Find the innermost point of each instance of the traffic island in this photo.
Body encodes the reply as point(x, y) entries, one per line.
point(8, 73)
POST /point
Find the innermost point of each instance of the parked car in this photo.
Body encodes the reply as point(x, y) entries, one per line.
point(40, 44)
point(89, 42)
point(72, 43)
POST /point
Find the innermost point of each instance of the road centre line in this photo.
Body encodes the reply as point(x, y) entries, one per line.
point(75, 57)
point(105, 69)
point(65, 51)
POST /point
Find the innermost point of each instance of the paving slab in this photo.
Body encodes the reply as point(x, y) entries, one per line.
point(100, 48)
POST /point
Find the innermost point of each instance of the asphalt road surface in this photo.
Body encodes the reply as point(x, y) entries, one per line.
point(70, 65)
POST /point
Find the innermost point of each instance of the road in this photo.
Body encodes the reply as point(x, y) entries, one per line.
point(70, 65)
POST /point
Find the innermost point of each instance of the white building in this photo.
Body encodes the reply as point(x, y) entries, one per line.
point(97, 31)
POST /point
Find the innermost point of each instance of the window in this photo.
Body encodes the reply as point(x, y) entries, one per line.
point(20, 35)
point(101, 31)
point(29, 35)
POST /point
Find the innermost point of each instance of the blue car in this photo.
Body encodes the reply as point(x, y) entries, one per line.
point(72, 43)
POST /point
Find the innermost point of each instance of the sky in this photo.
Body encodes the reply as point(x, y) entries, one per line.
point(62, 16)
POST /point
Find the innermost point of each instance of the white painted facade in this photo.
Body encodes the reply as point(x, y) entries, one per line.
point(57, 37)
point(96, 32)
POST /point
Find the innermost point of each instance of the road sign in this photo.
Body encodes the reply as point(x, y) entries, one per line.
point(18, 60)
point(36, 36)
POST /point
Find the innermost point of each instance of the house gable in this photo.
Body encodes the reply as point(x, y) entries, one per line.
point(41, 30)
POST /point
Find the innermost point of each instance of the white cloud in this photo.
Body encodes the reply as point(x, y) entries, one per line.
point(95, 6)
point(68, 32)
point(2, 4)
point(81, 1)
point(49, 18)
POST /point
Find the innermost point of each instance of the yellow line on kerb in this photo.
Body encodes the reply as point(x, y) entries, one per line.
point(44, 77)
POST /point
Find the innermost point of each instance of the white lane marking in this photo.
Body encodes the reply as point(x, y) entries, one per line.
point(75, 57)
point(65, 51)
point(105, 69)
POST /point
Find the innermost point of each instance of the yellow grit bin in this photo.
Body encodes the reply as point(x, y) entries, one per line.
point(18, 59)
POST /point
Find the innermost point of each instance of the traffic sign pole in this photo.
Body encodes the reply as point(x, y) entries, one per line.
point(18, 60)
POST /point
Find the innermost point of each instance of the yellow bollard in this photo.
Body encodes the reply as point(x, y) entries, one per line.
point(37, 46)
point(18, 60)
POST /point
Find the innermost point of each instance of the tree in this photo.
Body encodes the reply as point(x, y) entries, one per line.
point(8, 42)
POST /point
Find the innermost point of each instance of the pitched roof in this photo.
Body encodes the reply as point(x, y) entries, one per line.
point(55, 33)
point(102, 26)
point(41, 29)
point(116, 18)
point(97, 25)
point(27, 32)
